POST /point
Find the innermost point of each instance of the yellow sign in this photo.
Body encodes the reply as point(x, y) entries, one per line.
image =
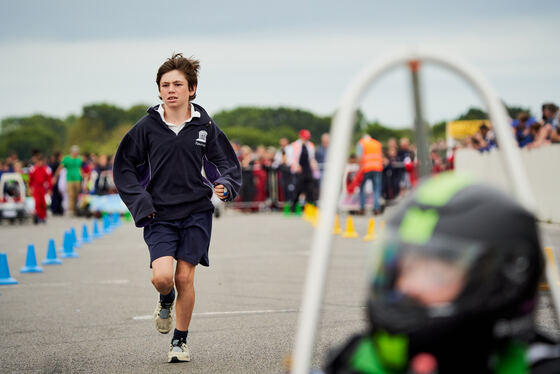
point(463, 129)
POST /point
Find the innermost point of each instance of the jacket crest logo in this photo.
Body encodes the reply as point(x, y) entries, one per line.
point(201, 138)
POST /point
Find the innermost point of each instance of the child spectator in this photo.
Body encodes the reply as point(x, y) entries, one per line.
point(40, 183)
point(521, 126)
point(485, 139)
point(549, 130)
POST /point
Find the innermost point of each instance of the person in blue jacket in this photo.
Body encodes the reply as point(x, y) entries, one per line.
point(157, 171)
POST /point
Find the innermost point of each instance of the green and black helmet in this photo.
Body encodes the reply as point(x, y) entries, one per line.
point(456, 272)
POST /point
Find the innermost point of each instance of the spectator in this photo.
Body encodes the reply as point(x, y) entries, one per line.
point(284, 144)
point(89, 174)
point(404, 156)
point(3, 167)
point(73, 165)
point(260, 174)
point(437, 163)
point(549, 127)
point(247, 192)
point(56, 197)
point(303, 152)
point(369, 151)
point(485, 139)
point(11, 161)
point(521, 127)
point(104, 182)
point(40, 183)
point(534, 132)
point(286, 179)
point(391, 174)
point(321, 154)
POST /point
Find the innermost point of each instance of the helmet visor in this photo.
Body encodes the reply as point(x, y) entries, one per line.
point(432, 275)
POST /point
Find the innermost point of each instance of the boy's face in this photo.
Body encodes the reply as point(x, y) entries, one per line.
point(174, 89)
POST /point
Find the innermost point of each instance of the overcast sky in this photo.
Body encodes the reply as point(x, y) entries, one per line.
point(57, 56)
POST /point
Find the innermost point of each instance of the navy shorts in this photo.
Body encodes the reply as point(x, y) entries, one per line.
point(184, 239)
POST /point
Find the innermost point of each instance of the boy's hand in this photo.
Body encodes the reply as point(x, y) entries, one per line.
point(221, 191)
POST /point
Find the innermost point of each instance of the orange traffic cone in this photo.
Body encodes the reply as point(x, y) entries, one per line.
point(370, 235)
point(337, 230)
point(350, 232)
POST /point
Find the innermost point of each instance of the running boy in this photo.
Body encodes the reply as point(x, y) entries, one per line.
point(157, 171)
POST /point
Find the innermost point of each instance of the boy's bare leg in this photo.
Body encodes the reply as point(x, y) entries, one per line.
point(184, 281)
point(162, 274)
point(162, 279)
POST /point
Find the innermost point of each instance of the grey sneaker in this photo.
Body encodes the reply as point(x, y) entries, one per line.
point(178, 352)
point(163, 317)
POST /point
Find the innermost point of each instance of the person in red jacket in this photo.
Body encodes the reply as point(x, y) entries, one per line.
point(40, 179)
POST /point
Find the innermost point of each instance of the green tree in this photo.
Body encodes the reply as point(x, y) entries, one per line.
point(107, 115)
point(382, 133)
point(268, 119)
point(25, 134)
point(513, 111)
point(439, 130)
point(473, 114)
point(25, 140)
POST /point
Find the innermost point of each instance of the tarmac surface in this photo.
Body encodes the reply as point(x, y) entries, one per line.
point(93, 314)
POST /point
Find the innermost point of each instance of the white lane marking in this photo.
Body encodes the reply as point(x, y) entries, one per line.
point(268, 255)
point(236, 312)
point(36, 285)
point(113, 281)
point(139, 318)
point(246, 312)
point(66, 284)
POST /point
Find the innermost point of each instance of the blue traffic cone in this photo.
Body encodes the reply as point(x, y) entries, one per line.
point(106, 225)
point(85, 234)
point(51, 255)
point(61, 248)
point(68, 246)
point(31, 262)
point(5, 271)
point(77, 243)
point(116, 217)
point(95, 231)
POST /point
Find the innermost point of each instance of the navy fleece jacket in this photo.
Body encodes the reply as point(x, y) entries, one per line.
point(156, 170)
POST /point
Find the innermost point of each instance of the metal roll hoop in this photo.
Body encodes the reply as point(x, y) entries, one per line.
point(340, 134)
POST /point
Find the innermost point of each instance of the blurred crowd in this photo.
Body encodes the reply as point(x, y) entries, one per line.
point(529, 132)
point(273, 177)
point(57, 182)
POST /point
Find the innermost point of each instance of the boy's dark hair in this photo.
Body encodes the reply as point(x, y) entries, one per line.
point(188, 66)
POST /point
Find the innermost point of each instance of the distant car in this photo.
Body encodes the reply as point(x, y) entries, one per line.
point(12, 198)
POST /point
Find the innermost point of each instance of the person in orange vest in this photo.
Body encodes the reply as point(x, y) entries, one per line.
point(370, 154)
